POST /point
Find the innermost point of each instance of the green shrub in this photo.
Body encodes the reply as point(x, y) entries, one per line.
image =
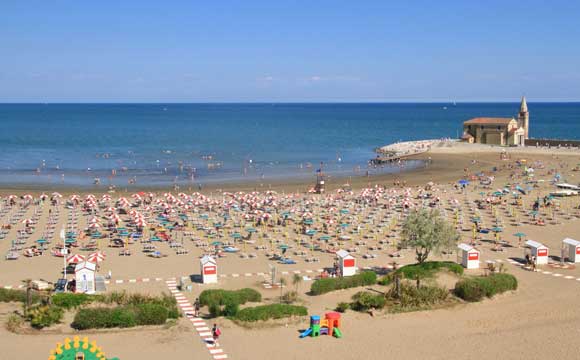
point(14, 322)
point(342, 307)
point(273, 311)
point(364, 300)
point(323, 286)
point(221, 297)
point(151, 314)
point(214, 310)
point(476, 288)
point(413, 298)
point(71, 300)
point(123, 298)
point(289, 297)
point(231, 309)
point(44, 316)
point(428, 269)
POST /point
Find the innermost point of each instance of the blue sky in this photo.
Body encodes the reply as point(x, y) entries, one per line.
point(316, 50)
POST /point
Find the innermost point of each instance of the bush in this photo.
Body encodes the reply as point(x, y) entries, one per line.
point(123, 298)
point(476, 288)
point(273, 311)
point(231, 309)
point(70, 300)
point(364, 300)
point(215, 310)
point(151, 314)
point(323, 286)
point(428, 269)
point(342, 307)
point(221, 297)
point(14, 322)
point(44, 316)
point(412, 297)
point(289, 297)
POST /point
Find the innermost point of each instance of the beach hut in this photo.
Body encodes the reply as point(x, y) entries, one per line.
point(85, 277)
point(208, 270)
point(468, 256)
point(538, 251)
point(347, 263)
point(571, 249)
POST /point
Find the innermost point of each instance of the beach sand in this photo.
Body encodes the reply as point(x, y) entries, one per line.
point(539, 320)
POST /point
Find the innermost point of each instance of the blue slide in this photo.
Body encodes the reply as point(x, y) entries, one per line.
point(306, 333)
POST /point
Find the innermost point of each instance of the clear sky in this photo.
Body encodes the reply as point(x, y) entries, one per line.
point(278, 50)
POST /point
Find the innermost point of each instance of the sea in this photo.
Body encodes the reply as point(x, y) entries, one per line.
point(198, 144)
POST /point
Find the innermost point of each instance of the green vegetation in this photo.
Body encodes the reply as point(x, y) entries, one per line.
point(323, 286)
point(71, 300)
point(411, 298)
point(364, 300)
point(424, 270)
point(120, 316)
point(342, 307)
point(476, 288)
point(266, 312)
point(427, 232)
point(12, 295)
point(42, 316)
point(227, 302)
point(289, 297)
point(222, 297)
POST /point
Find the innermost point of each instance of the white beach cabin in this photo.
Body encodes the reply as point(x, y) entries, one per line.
point(539, 251)
point(209, 273)
point(571, 249)
point(347, 263)
point(85, 277)
point(469, 256)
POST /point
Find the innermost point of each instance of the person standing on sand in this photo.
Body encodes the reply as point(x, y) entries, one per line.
point(216, 332)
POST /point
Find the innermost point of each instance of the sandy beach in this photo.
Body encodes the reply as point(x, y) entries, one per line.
point(536, 321)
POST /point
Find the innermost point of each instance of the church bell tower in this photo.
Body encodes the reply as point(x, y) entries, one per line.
point(524, 117)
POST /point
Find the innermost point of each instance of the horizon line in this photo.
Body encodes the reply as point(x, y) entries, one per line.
point(262, 102)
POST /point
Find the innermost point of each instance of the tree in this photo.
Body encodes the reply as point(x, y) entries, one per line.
point(296, 280)
point(427, 232)
point(282, 284)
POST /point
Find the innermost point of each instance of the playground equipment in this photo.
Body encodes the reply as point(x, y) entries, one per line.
point(330, 325)
point(78, 350)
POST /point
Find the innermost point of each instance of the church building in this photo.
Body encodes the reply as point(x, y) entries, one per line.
point(499, 131)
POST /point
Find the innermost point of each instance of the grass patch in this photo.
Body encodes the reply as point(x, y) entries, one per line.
point(364, 300)
point(42, 316)
point(71, 300)
point(476, 288)
point(323, 286)
point(13, 295)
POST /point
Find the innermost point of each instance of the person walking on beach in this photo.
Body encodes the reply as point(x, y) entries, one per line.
point(216, 332)
point(196, 306)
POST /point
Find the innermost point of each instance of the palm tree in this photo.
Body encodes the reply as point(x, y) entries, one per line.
point(282, 283)
point(296, 280)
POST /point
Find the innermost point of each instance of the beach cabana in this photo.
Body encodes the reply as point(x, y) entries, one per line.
point(571, 249)
point(208, 270)
point(85, 277)
point(347, 263)
point(538, 251)
point(468, 256)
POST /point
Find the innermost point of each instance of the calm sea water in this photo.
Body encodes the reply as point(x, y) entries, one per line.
point(159, 144)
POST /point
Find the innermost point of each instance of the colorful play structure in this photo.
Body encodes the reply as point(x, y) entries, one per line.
point(78, 350)
point(330, 325)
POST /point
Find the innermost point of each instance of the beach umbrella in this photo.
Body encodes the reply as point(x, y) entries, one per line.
point(216, 243)
point(463, 182)
point(311, 232)
point(94, 225)
point(237, 235)
point(41, 241)
point(519, 235)
point(75, 259)
point(96, 257)
point(496, 229)
point(325, 238)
